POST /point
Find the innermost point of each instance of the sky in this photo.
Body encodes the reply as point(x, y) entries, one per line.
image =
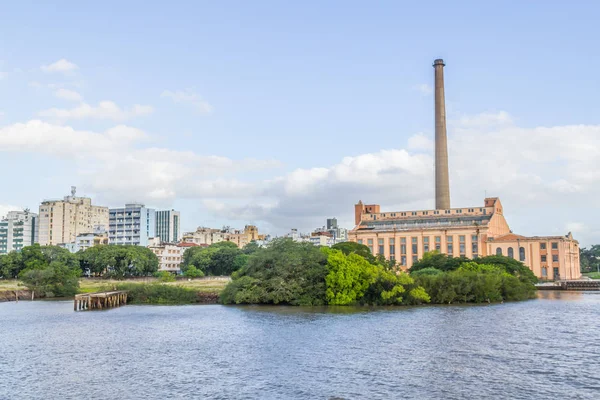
point(283, 114)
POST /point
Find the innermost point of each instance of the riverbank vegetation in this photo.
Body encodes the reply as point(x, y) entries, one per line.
point(293, 273)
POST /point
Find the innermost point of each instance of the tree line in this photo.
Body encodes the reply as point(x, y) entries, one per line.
point(293, 273)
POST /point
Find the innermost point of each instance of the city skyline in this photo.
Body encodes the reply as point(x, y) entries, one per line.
point(283, 132)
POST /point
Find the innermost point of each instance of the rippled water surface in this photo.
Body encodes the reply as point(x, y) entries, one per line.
point(544, 348)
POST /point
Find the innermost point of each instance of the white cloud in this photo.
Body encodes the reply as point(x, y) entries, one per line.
point(423, 88)
point(420, 142)
point(115, 166)
point(62, 65)
point(486, 120)
point(104, 110)
point(187, 96)
point(544, 176)
point(67, 94)
point(547, 177)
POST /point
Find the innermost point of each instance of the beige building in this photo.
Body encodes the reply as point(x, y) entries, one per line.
point(61, 221)
point(470, 232)
point(208, 236)
point(170, 256)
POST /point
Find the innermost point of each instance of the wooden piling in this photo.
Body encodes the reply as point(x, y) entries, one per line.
point(100, 300)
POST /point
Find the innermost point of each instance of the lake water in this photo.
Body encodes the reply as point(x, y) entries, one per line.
point(544, 348)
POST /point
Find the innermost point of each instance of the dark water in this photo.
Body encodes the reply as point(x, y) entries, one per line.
point(545, 348)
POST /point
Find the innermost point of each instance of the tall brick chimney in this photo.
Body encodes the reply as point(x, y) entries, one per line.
point(442, 182)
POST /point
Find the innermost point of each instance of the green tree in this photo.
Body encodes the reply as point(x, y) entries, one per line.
point(251, 248)
point(437, 260)
point(218, 259)
point(118, 262)
point(193, 272)
point(348, 278)
point(286, 272)
point(51, 279)
point(164, 276)
point(590, 258)
point(353, 247)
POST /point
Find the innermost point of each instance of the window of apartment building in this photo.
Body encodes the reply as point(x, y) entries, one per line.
point(436, 212)
point(521, 253)
point(459, 211)
point(425, 244)
point(415, 249)
point(403, 240)
point(392, 248)
point(498, 251)
point(403, 260)
point(438, 243)
point(554, 257)
point(544, 258)
point(425, 212)
point(415, 259)
point(554, 245)
point(542, 246)
point(381, 246)
point(370, 244)
point(402, 249)
point(511, 252)
point(447, 211)
point(545, 272)
point(359, 241)
point(474, 246)
point(413, 213)
point(462, 245)
point(449, 246)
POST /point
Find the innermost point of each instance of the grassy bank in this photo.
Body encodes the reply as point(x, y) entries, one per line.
point(593, 275)
point(149, 290)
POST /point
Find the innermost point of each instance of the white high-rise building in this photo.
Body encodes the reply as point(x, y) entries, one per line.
point(133, 224)
point(61, 221)
point(168, 226)
point(17, 230)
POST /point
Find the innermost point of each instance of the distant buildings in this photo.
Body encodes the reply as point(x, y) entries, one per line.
point(60, 221)
point(86, 240)
point(170, 255)
point(17, 230)
point(134, 225)
point(168, 226)
point(208, 236)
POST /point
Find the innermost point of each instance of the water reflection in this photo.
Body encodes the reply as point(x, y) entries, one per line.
point(544, 348)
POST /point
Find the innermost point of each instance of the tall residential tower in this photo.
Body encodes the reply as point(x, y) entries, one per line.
point(61, 221)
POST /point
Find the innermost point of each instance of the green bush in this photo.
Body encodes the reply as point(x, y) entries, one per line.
point(157, 293)
point(164, 276)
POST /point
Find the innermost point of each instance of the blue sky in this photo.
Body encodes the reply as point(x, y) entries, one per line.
point(283, 114)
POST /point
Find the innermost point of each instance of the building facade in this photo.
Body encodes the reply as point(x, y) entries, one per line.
point(405, 236)
point(132, 225)
point(168, 226)
point(87, 240)
point(208, 236)
point(170, 255)
point(61, 221)
point(17, 230)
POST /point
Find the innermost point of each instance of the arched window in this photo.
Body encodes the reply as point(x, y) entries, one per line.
point(498, 251)
point(521, 253)
point(511, 252)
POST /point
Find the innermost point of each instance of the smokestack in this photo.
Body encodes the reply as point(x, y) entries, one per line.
point(442, 184)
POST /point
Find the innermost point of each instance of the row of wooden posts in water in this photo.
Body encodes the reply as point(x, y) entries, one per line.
point(100, 300)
